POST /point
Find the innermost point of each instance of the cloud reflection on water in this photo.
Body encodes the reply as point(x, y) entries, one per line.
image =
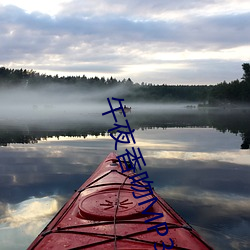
point(29, 210)
point(236, 156)
point(207, 184)
point(25, 220)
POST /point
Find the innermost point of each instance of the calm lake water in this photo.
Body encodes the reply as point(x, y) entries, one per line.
point(194, 157)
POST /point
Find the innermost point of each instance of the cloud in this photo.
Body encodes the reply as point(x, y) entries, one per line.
point(125, 40)
point(149, 9)
point(116, 30)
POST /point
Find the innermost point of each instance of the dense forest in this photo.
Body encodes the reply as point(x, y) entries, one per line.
point(234, 92)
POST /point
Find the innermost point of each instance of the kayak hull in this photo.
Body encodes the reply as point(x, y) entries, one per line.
point(106, 212)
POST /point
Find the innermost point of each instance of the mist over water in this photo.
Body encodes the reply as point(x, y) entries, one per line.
point(55, 102)
point(59, 110)
point(64, 103)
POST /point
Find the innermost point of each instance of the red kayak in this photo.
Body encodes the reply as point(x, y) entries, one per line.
point(115, 210)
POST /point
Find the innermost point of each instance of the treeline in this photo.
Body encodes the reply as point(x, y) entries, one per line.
point(234, 92)
point(237, 91)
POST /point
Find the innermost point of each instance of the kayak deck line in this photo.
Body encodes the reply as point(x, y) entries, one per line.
point(107, 184)
point(122, 221)
point(104, 212)
point(119, 237)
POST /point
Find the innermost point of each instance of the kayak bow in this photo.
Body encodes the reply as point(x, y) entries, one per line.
point(104, 212)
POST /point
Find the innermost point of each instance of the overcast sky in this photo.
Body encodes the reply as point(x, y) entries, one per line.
point(157, 41)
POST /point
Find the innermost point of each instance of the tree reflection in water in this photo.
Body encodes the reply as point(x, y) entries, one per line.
point(233, 121)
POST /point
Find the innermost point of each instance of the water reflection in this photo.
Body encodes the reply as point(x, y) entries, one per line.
point(29, 210)
point(20, 222)
point(200, 171)
point(233, 121)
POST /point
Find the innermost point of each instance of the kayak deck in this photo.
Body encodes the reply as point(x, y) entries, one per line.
point(104, 212)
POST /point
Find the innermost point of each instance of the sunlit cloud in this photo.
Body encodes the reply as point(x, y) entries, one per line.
point(46, 6)
point(188, 56)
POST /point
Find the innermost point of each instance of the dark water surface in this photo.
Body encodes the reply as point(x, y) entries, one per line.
point(194, 158)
